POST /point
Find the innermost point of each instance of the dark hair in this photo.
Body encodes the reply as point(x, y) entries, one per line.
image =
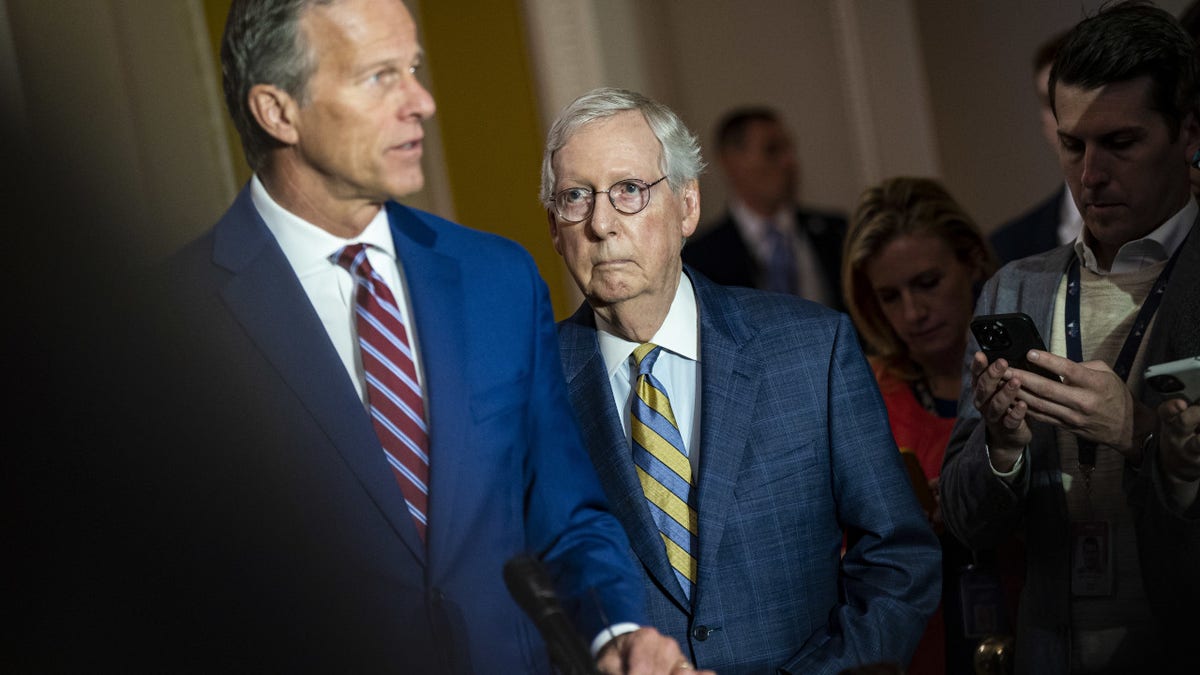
point(731, 131)
point(263, 44)
point(1128, 40)
point(1190, 19)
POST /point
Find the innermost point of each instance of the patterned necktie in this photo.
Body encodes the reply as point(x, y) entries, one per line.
point(663, 468)
point(394, 394)
point(781, 261)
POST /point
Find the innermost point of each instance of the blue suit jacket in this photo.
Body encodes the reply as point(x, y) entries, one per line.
point(1035, 231)
point(315, 549)
point(795, 449)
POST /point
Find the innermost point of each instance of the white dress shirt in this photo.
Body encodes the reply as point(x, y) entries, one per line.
point(329, 287)
point(1152, 248)
point(677, 367)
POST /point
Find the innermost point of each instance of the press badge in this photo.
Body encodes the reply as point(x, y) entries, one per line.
point(1091, 558)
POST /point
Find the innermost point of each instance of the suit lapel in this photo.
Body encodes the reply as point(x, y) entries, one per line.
point(729, 382)
point(589, 390)
point(436, 296)
point(267, 299)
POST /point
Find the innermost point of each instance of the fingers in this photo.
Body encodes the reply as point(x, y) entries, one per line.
point(1179, 442)
point(995, 389)
point(1171, 409)
point(648, 652)
point(985, 379)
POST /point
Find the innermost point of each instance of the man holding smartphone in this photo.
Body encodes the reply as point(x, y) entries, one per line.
point(1083, 455)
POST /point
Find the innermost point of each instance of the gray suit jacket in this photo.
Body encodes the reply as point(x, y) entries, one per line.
point(795, 449)
point(982, 510)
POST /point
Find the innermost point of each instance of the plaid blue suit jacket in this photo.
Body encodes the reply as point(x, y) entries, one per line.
point(795, 450)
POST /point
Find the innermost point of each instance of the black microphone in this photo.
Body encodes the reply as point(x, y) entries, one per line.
point(530, 585)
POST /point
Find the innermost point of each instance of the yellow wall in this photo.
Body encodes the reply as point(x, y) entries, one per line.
point(490, 128)
point(215, 12)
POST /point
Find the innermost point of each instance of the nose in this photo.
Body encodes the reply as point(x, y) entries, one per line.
point(420, 103)
point(1095, 170)
point(912, 308)
point(604, 219)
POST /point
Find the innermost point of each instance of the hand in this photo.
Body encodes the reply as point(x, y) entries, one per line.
point(1091, 402)
point(644, 652)
point(1179, 449)
point(995, 397)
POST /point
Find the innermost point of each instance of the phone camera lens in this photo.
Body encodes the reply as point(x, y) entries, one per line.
point(994, 337)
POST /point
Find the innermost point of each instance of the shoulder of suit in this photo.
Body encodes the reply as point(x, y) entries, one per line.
point(433, 230)
point(759, 305)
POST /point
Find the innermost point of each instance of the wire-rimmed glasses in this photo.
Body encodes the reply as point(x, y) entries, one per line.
point(629, 196)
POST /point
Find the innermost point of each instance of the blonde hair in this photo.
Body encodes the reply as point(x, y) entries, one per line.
point(897, 207)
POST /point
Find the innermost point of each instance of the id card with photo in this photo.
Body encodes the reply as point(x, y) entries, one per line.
point(1091, 558)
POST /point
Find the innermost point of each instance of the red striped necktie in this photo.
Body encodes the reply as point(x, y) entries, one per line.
point(393, 391)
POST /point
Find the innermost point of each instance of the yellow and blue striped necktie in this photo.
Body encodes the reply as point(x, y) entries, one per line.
point(663, 468)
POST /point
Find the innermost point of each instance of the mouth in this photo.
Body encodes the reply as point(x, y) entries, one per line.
point(611, 263)
point(925, 334)
point(414, 145)
point(1102, 207)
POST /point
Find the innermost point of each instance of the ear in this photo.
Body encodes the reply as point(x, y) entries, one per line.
point(553, 222)
point(691, 206)
point(1190, 130)
point(275, 111)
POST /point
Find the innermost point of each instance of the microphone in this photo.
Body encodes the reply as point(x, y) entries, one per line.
point(530, 586)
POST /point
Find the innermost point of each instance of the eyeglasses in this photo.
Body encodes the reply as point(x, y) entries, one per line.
point(574, 205)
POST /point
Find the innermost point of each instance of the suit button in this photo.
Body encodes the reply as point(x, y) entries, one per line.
point(701, 633)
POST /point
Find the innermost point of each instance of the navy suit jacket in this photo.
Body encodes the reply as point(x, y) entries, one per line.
point(302, 551)
point(722, 255)
point(795, 449)
point(1035, 231)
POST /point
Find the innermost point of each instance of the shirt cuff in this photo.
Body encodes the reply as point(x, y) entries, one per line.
point(1011, 475)
point(608, 634)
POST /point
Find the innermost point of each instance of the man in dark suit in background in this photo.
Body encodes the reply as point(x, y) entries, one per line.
point(367, 418)
point(739, 434)
point(1055, 220)
point(765, 240)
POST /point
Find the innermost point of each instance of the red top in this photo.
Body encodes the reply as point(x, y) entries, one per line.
point(915, 429)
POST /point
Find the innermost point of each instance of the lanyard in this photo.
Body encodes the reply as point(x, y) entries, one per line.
point(1124, 362)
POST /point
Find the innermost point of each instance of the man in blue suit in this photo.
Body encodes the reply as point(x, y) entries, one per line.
point(739, 434)
point(390, 424)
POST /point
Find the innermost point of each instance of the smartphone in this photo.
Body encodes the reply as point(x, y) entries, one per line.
point(1176, 379)
point(1009, 336)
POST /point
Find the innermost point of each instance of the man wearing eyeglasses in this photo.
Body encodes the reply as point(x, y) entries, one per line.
point(738, 434)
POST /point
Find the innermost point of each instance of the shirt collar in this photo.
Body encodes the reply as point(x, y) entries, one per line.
point(679, 333)
point(753, 226)
point(307, 247)
point(1139, 253)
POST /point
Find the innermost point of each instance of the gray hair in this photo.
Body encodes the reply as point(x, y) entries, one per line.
point(263, 44)
point(681, 161)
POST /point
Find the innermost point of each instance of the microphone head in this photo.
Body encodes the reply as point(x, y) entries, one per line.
point(530, 586)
